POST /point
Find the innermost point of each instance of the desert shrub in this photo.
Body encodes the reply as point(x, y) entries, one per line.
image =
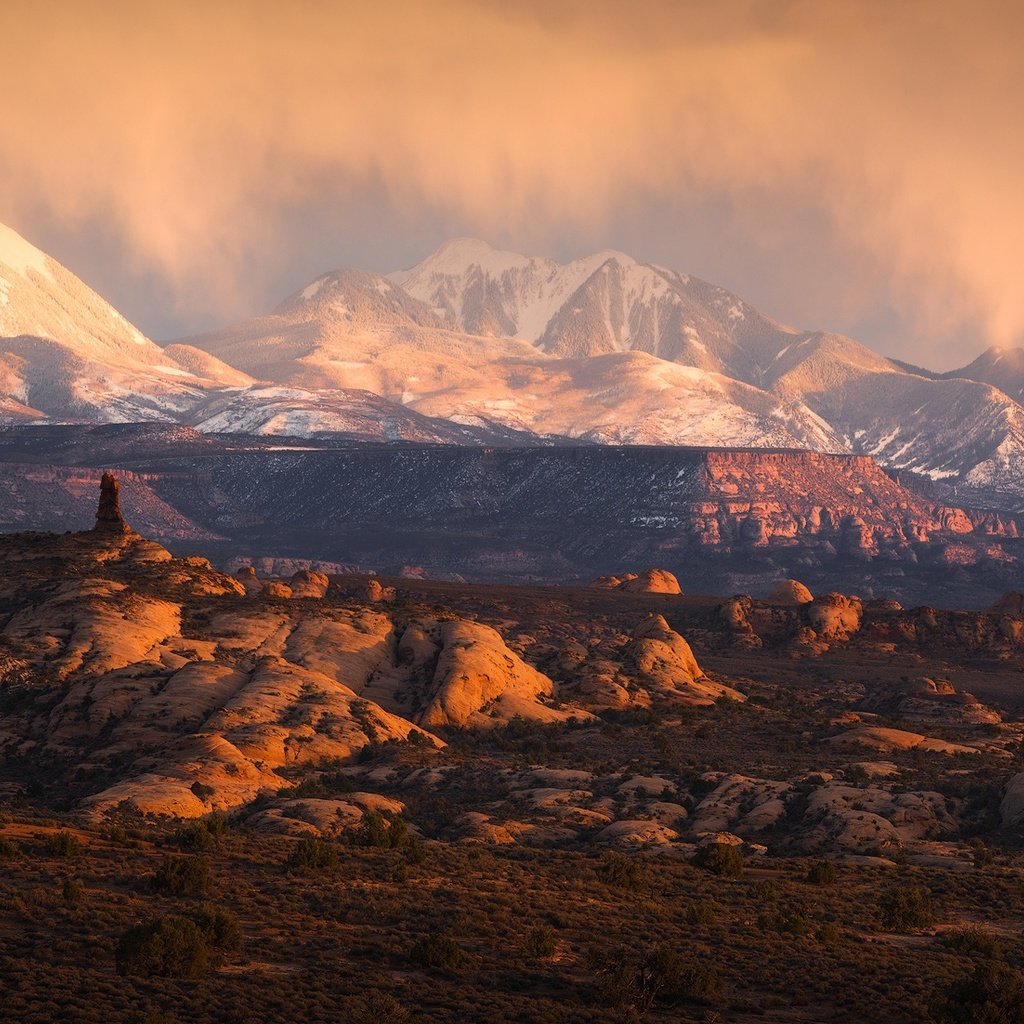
point(63, 844)
point(312, 854)
point(195, 837)
point(541, 942)
point(221, 928)
point(620, 871)
point(380, 832)
point(115, 833)
point(703, 914)
point(992, 994)
point(151, 1016)
point(983, 856)
point(379, 1008)
point(166, 947)
point(822, 872)
point(437, 952)
point(972, 941)
point(789, 922)
point(72, 891)
point(182, 876)
point(660, 975)
point(905, 909)
point(720, 859)
point(414, 852)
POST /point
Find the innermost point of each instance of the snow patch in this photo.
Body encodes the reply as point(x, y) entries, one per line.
point(21, 256)
point(311, 290)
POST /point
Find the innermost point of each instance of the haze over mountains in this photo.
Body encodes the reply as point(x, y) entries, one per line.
point(474, 345)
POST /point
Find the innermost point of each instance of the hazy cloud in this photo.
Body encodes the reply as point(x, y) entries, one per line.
point(205, 138)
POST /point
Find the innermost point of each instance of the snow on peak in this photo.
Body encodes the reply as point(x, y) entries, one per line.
point(21, 256)
point(311, 290)
point(459, 255)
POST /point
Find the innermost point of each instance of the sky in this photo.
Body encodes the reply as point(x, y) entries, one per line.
point(851, 165)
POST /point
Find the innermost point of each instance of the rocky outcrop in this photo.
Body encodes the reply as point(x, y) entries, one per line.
point(664, 665)
point(653, 581)
point(933, 701)
point(790, 592)
point(835, 616)
point(108, 515)
point(1011, 809)
point(478, 680)
point(307, 583)
point(886, 740)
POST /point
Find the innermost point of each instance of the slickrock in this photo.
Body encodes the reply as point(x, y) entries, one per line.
point(929, 700)
point(665, 665)
point(790, 592)
point(202, 773)
point(1011, 809)
point(95, 625)
point(479, 681)
point(740, 804)
point(653, 581)
point(638, 832)
point(835, 616)
point(863, 819)
point(373, 591)
point(476, 827)
point(883, 740)
point(306, 583)
point(318, 816)
point(734, 614)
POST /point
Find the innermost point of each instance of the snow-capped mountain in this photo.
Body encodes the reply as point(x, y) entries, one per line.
point(1003, 368)
point(351, 329)
point(475, 345)
point(603, 303)
point(943, 426)
point(65, 353)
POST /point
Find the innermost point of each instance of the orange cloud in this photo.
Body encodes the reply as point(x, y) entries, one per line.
point(191, 126)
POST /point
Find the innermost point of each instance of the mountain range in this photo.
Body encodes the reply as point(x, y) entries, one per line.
point(479, 346)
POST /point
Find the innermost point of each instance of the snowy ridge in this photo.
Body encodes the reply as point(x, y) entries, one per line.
point(476, 344)
point(66, 354)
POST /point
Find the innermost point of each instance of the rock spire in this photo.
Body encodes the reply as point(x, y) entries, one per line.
point(108, 514)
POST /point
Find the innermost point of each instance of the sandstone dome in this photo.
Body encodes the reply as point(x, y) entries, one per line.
point(654, 581)
point(790, 592)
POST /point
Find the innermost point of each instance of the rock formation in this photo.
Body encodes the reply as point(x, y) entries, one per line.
point(108, 515)
point(653, 581)
point(790, 592)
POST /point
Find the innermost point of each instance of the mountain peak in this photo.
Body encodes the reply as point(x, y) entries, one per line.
point(461, 255)
point(20, 256)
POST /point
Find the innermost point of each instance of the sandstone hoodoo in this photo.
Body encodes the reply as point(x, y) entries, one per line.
point(108, 515)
